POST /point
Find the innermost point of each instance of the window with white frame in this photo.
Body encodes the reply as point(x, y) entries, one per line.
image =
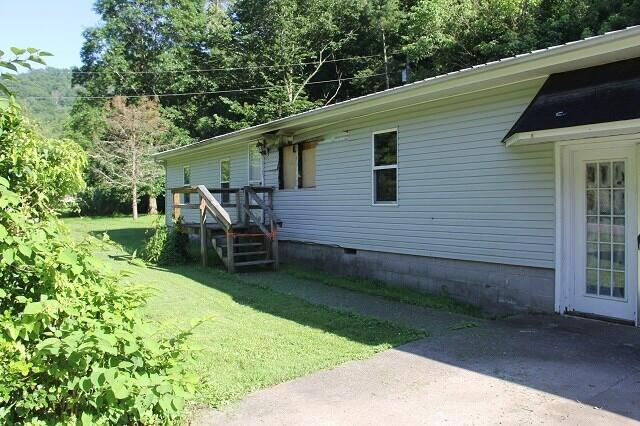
point(186, 181)
point(385, 167)
point(225, 179)
point(255, 165)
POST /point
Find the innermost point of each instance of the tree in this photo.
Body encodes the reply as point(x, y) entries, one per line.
point(148, 47)
point(454, 34)
point(123, 160)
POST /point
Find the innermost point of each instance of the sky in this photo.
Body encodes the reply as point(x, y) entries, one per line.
point(52, 25)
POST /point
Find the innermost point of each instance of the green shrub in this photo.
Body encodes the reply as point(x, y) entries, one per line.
point(167, 246)
point(73, 346)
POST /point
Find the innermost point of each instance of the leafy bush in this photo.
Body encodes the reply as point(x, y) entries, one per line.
point(101, 201)
point(73, 347)
point(42, 171)
point(167, 246)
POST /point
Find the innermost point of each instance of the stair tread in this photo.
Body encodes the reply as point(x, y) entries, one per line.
point(243, 245)
point(250, 253)
point(254, 262)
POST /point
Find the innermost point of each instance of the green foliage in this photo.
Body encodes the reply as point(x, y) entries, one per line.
point(43, 171)
point(167, 246)
point(100, 200)
point(21, 58)
point(46, 96)
point(74, 347)
point(378, 288)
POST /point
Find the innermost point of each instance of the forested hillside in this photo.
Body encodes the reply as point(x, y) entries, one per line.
point(47, 97)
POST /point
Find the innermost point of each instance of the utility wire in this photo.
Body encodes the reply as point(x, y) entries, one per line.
point(353, 58)
point(214, 92)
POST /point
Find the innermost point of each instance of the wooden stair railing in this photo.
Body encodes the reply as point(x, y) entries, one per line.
point(270, 233)
point(244, 236)
point(209, 204)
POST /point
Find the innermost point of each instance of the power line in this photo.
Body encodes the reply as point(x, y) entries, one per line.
point(199, 70)
point(215, 92)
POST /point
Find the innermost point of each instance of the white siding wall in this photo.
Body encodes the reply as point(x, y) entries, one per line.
point(205, 169)
point(462, 193)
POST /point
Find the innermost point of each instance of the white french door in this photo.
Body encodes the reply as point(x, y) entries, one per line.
point(602, 227)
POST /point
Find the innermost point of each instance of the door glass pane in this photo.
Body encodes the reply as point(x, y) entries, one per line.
point(618, 230)
point(592, 281)
point(592, 202)
point(605, 175)
point(618, 284)
point(604, 201)
point(605, 282)
point(605, 228)
point(618, 174)
point(618, 201)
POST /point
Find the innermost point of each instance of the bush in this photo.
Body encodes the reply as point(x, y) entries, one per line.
point(100, 201)
point(73, 346)
point(167, 246)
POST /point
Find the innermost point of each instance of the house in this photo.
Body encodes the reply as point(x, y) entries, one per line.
point(510, 185)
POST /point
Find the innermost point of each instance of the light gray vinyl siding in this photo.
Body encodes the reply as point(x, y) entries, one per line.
point(462, 193)
point(205, 169)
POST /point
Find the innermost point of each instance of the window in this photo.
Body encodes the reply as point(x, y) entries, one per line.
point(385, 167)
point(255, 165)
point(225, 179)
point(298, 166)
point(186, 181)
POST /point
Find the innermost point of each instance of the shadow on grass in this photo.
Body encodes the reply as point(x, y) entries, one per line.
point(357, 328)
point(556, 355)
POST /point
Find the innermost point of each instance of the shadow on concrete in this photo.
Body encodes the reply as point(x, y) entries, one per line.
point(588, 361)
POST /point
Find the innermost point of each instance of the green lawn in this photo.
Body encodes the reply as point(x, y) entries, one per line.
point(256, 337)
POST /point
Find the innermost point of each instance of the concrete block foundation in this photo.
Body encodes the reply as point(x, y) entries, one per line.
point(496, 288)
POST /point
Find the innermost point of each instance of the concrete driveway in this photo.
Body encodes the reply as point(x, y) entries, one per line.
point(521, 370)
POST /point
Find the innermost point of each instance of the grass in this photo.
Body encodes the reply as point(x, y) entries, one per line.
point(377, 288)
point(257, 337)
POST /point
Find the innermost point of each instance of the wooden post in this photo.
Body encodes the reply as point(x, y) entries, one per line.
point(274, 252)
point(176, 201)
point(230, 259)
point(238, 206)
point(203, 232)
point(245, 207)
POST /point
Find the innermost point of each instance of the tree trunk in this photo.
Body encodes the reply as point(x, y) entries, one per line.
point(153, 205)
point(134, 202)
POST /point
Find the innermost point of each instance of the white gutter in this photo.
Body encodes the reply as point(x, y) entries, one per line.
point(610, 47)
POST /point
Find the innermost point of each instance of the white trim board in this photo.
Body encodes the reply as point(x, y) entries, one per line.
point(589, 131)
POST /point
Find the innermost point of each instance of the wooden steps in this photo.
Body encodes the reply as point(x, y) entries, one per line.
point(252, 239)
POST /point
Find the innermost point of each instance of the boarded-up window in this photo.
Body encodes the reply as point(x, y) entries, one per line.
point(289, 166)
point(307, 165)
point(298, 166)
